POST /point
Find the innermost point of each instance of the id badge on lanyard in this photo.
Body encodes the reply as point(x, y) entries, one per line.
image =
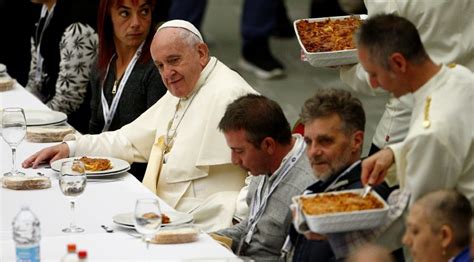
point(107, 111)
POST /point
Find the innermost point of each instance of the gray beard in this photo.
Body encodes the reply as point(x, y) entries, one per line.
point(336, 168)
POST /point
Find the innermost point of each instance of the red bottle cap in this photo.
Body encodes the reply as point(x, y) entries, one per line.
point(71, 248)
point(82, 254)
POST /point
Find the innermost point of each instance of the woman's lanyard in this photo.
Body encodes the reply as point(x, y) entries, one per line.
point(259, 202)
point(109, 112)
point(39, 58)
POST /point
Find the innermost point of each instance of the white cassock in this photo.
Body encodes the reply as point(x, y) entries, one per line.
point(198, 176)
point(447, 37)
point(438, 152)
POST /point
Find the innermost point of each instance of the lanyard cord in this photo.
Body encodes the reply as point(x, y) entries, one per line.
point(335, 182)
point(287, 244)
point(39, 58)
point(259, 202)
point(107, 111)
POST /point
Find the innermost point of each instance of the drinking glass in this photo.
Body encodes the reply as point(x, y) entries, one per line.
point(72, 182)
point(13, 132)
point(147, 218)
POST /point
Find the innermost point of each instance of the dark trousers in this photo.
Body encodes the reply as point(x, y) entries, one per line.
point(259, 17)
point(189, 10)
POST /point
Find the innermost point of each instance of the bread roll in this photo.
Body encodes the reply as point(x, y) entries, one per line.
point(45, 134)
point(6, 83)
point(176, 236)
point(26, 183)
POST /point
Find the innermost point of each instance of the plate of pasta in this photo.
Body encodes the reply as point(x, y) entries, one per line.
point(97, 165)
point(169, 218)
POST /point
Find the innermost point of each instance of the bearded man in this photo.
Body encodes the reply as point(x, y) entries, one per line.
point(334, 124)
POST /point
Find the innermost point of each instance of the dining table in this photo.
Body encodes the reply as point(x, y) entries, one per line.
point(97, 206)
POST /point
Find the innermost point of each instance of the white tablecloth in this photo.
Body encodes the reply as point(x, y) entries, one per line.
point(95, 207)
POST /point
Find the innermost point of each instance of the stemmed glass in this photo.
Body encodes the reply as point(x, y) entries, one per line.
point(147, 218)
point(72, 182)
point(13, 132)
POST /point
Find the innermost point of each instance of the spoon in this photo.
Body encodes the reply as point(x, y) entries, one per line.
point(367, 189)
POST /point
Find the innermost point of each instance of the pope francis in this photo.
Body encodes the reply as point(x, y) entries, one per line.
point(189, 163)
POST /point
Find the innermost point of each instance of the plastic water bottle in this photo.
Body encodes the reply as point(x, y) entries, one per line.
point(26, 234)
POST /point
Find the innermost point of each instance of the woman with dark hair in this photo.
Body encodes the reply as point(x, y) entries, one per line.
point(126, 82)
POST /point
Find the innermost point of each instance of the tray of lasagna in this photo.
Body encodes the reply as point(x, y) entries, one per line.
point(328, 41)
point(342, 211)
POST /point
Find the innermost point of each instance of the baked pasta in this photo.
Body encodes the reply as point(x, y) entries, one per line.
point(336, 203)
point(164, 218)
point(328, 35)
point(96, 164)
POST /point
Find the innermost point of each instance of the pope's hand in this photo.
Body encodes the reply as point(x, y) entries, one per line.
point(47, 155)
point(374, 168)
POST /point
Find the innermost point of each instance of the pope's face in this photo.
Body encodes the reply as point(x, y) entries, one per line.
point(379, 76)
point(180, 63)
point(245, 154)
point(424, 244)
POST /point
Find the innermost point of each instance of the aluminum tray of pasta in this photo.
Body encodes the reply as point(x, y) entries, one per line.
point(328, 41)
point(342, 211)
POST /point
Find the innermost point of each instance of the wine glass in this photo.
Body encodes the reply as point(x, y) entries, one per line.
point(72, 182)
point(13, 132)
point(147, 218)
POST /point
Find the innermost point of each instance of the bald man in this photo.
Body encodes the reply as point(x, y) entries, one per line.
point(437, 227)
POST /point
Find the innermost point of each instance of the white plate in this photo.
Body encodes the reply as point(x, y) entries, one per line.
point(176, 218)
point(118, 166)
point(43, 117)
point(89, 175)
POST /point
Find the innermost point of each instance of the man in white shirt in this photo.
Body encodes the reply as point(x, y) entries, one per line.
point(189, 163)
point(446, 32)
point(438, 151)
